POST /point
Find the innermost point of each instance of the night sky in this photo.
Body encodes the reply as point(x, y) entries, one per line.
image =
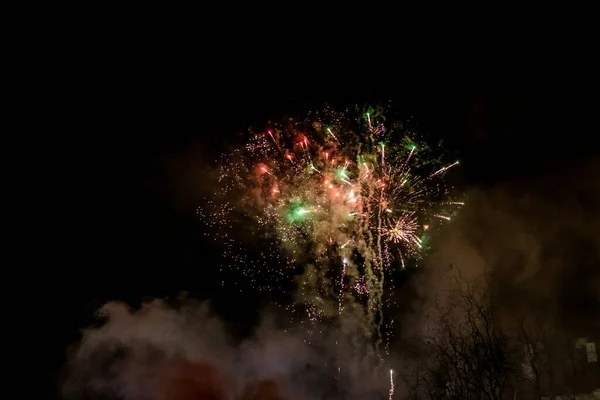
point(126, 230)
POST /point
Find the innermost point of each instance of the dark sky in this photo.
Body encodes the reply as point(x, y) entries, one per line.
point(118, 233)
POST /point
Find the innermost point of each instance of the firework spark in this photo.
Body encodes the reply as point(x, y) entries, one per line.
point(346, 193)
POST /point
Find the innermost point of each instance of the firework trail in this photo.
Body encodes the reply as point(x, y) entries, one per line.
point(345, 195)
point(391, 392)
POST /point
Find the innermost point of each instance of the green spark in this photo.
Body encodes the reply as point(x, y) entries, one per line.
point(297, 212)
point(341, 173)
point(423, 242)
point(410, 145)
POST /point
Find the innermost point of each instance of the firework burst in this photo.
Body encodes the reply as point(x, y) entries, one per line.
point(334, 189)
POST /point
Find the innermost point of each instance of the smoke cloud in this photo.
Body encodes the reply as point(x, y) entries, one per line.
point(536, 242)
point(165, 352)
